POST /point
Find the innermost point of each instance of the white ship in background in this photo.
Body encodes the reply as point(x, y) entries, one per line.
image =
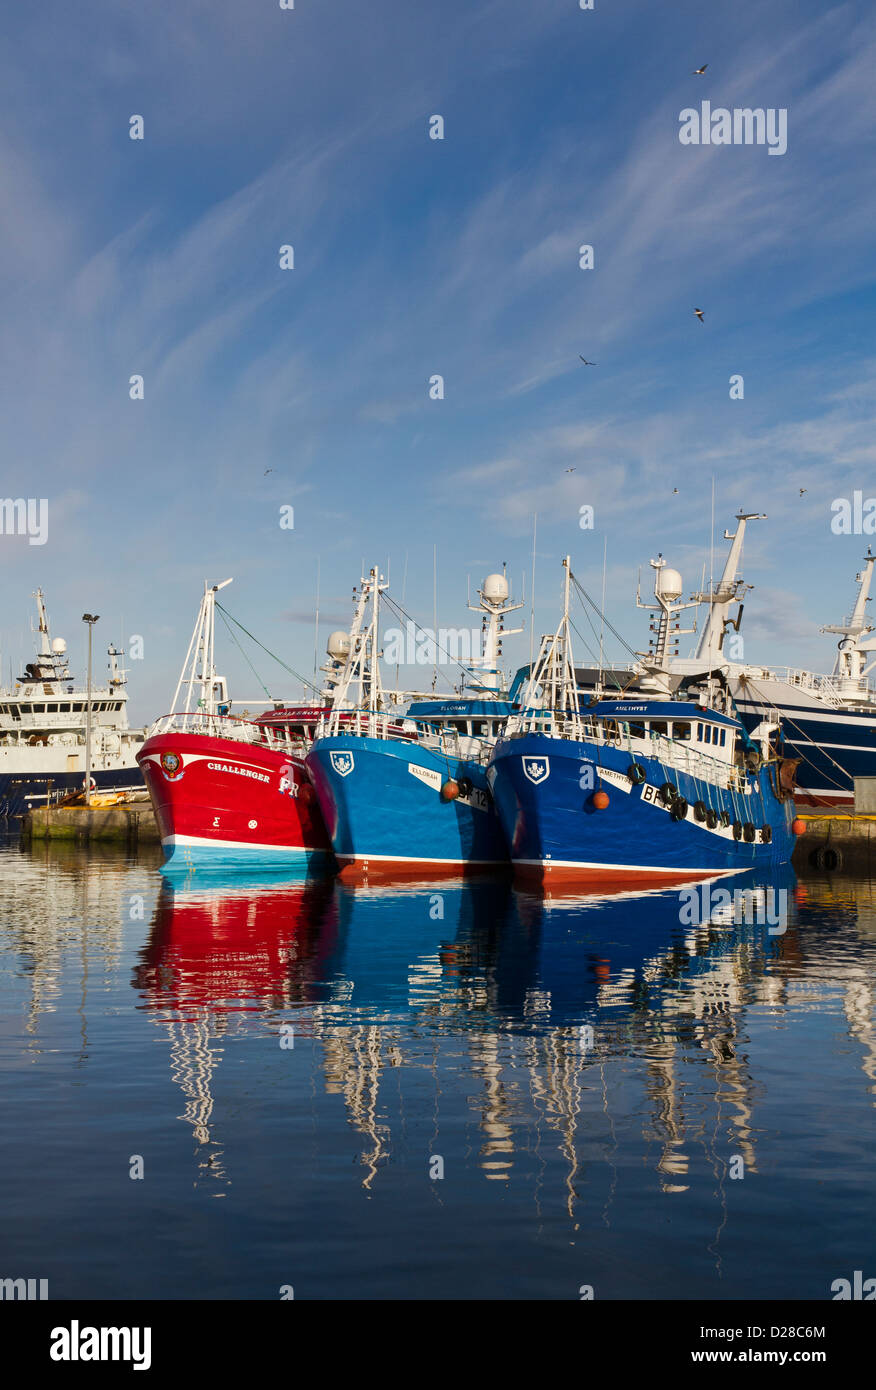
point(828, 722)
point(43, 723)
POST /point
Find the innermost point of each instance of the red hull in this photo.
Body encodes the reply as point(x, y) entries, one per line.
point(225, 802)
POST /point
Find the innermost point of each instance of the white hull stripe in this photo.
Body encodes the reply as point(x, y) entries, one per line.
point(628, 868)
point(407, 859)
point(802, 742)
point(847, 718)
point(836, 792)
point(199, 842)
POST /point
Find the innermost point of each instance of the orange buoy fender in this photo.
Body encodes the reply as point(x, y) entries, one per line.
point(449, 790)
point(600, 800)
point(798, 826)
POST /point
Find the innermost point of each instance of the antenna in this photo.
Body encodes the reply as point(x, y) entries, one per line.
point(712, 554)
point(532, 594)
point(435, 613)
point(602, 628)
point(315, 627)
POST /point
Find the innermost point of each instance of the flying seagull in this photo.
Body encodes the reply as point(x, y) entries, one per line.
point(698, 72)
point(586, 363)
point(268, 470)
point(675, 489)
point(699, 314)
point(570, 470)
point(802, 490)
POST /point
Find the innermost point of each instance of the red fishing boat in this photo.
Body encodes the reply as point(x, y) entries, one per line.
point(232, 791)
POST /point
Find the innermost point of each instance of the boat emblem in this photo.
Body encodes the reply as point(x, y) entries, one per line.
point(536, 769)
point(171, 766)
point(342, 763)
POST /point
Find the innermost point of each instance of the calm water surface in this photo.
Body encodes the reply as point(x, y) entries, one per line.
point(431, 1025)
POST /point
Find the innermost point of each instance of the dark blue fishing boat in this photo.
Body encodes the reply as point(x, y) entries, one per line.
point(665, 786)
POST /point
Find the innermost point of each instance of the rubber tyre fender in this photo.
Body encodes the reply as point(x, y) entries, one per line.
point(826, 857)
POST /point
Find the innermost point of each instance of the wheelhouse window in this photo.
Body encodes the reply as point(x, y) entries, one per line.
point(659, 726)
point(638, 729)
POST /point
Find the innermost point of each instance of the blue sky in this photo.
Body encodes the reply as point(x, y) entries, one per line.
point(309, 127)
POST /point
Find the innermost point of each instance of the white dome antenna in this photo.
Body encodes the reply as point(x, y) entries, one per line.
point(338, 646)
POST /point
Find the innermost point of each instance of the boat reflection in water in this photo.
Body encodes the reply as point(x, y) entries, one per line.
point(539, 998)
point(434, 1025)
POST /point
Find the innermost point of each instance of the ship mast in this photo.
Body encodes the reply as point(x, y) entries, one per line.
point(361, 670)
point(729, 589)
point(552, 684)
point(45, 647)
point(199, 669)
point(659, 658)
point(849, 670)
point(494, 604)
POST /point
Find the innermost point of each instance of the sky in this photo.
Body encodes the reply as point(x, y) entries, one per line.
point(267, 388)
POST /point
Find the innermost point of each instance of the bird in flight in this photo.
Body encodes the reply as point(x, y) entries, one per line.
point(802, 490)
point(698, 72)
point(586, 363)
point(570, 470)
point(675, 489)
point(699, 314)
point(268, 470)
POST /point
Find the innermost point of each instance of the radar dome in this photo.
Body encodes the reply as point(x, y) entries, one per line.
point(496, 588)
point(339, 645)
point(669, 585)
point(59, 646)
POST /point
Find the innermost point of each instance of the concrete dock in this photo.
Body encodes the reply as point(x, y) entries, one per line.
point(844, 840)
point(129, 823)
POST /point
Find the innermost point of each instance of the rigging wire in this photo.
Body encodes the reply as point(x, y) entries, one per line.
point(405, 616)
point(595, 606)
point(245, 657)
point(273, 655)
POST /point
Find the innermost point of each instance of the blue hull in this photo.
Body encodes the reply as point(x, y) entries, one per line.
point(20, 794)
point(553, 827)
point(381, 803)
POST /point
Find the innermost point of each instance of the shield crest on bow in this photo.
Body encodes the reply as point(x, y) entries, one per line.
point(536, 769)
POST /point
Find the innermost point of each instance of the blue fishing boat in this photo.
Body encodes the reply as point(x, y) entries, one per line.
point(659, 787)
point(406, 789)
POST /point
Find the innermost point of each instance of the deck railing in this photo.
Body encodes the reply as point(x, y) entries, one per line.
point(226, 726)
point(679, 755)
point(835, 690)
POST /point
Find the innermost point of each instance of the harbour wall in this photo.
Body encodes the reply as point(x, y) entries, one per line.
point(131, 824)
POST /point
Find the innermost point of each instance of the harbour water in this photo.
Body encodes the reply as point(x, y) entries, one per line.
point(436, 1090)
